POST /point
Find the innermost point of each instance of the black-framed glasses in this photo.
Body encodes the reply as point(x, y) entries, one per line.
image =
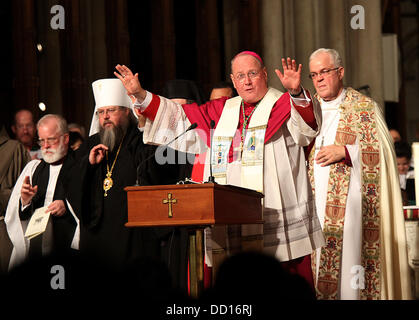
point(324, 72)
point(51, 141)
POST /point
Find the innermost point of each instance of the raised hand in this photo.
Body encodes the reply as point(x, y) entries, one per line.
point(27, 192)
point(291, 78)
point(131, 82)
point(56, 208)
point(97, 154)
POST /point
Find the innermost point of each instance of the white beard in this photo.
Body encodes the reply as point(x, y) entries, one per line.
point(53, 155)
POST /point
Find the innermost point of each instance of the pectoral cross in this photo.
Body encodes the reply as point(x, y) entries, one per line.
point(170, 201)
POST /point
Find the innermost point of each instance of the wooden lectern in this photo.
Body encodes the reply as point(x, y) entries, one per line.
point(197, 206)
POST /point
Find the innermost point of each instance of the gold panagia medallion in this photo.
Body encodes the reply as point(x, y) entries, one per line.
point(107, 184)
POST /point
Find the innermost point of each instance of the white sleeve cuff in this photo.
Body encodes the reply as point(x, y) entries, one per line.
point(301, 102)
point(143, 105)
point(22, 207)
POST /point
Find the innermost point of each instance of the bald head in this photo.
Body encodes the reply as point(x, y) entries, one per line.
point(249, 77)
point(24, 128)
point(247, 53)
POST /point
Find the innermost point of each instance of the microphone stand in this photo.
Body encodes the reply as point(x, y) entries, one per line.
point(211, 178)
point(191, 127)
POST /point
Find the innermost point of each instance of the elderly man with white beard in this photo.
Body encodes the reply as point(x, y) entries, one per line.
point(43, 183)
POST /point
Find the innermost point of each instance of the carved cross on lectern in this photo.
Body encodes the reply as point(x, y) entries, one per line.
point(170, 201)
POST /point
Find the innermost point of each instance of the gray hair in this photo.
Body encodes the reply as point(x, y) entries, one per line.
point(61, 122)
point(337, 60)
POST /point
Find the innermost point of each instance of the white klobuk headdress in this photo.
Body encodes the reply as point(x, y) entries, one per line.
point(108, 92)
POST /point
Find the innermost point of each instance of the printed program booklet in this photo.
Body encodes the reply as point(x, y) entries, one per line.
point(38, 223)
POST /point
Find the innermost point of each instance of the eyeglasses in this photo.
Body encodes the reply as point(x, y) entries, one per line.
point(252, 74)
point(51, 141)
point(25, 126)
point(324, 72)
point(110, 111)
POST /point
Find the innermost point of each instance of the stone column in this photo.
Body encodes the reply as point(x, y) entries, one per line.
point(25, 75)
point(49, 60)
point(297, 28)
point(365, 51)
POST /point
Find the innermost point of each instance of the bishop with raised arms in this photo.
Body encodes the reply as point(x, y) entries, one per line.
point(257, 144)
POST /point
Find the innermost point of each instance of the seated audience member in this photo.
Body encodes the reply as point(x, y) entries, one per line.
point(223, 89)
point(25, 132)
point(406, 172)
point(183, 91)
point(395, 134)
point(251, 278)
point(14, 157)
point(75, 127)
point(76, 140)
point(145, 283)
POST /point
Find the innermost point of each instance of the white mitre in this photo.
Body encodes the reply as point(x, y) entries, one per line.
point(108, 92)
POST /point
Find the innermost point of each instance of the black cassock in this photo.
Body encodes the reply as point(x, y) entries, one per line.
point(64, 226)
point(103, 234)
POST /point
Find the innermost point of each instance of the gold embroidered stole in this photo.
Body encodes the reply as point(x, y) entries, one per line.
point(357, 119)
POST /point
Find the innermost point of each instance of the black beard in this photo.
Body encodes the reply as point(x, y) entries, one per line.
point(113, 136)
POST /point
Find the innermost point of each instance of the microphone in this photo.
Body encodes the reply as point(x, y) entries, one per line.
point(191, 127)
point(211, 178)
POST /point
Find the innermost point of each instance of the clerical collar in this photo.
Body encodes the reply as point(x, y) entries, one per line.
point(333, 104)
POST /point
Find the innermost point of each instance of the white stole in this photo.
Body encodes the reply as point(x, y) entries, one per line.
point(17, 228)
point(254, 142)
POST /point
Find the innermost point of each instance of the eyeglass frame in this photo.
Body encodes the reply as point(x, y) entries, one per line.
point(252, 74)
point(25, 126)
point(324, 72)
point(110, 111)
point(51, 141)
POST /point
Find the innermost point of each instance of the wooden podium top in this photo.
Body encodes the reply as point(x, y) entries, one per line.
point(192, 205)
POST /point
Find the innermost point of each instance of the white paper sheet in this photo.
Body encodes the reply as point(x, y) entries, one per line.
point(37, 223)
